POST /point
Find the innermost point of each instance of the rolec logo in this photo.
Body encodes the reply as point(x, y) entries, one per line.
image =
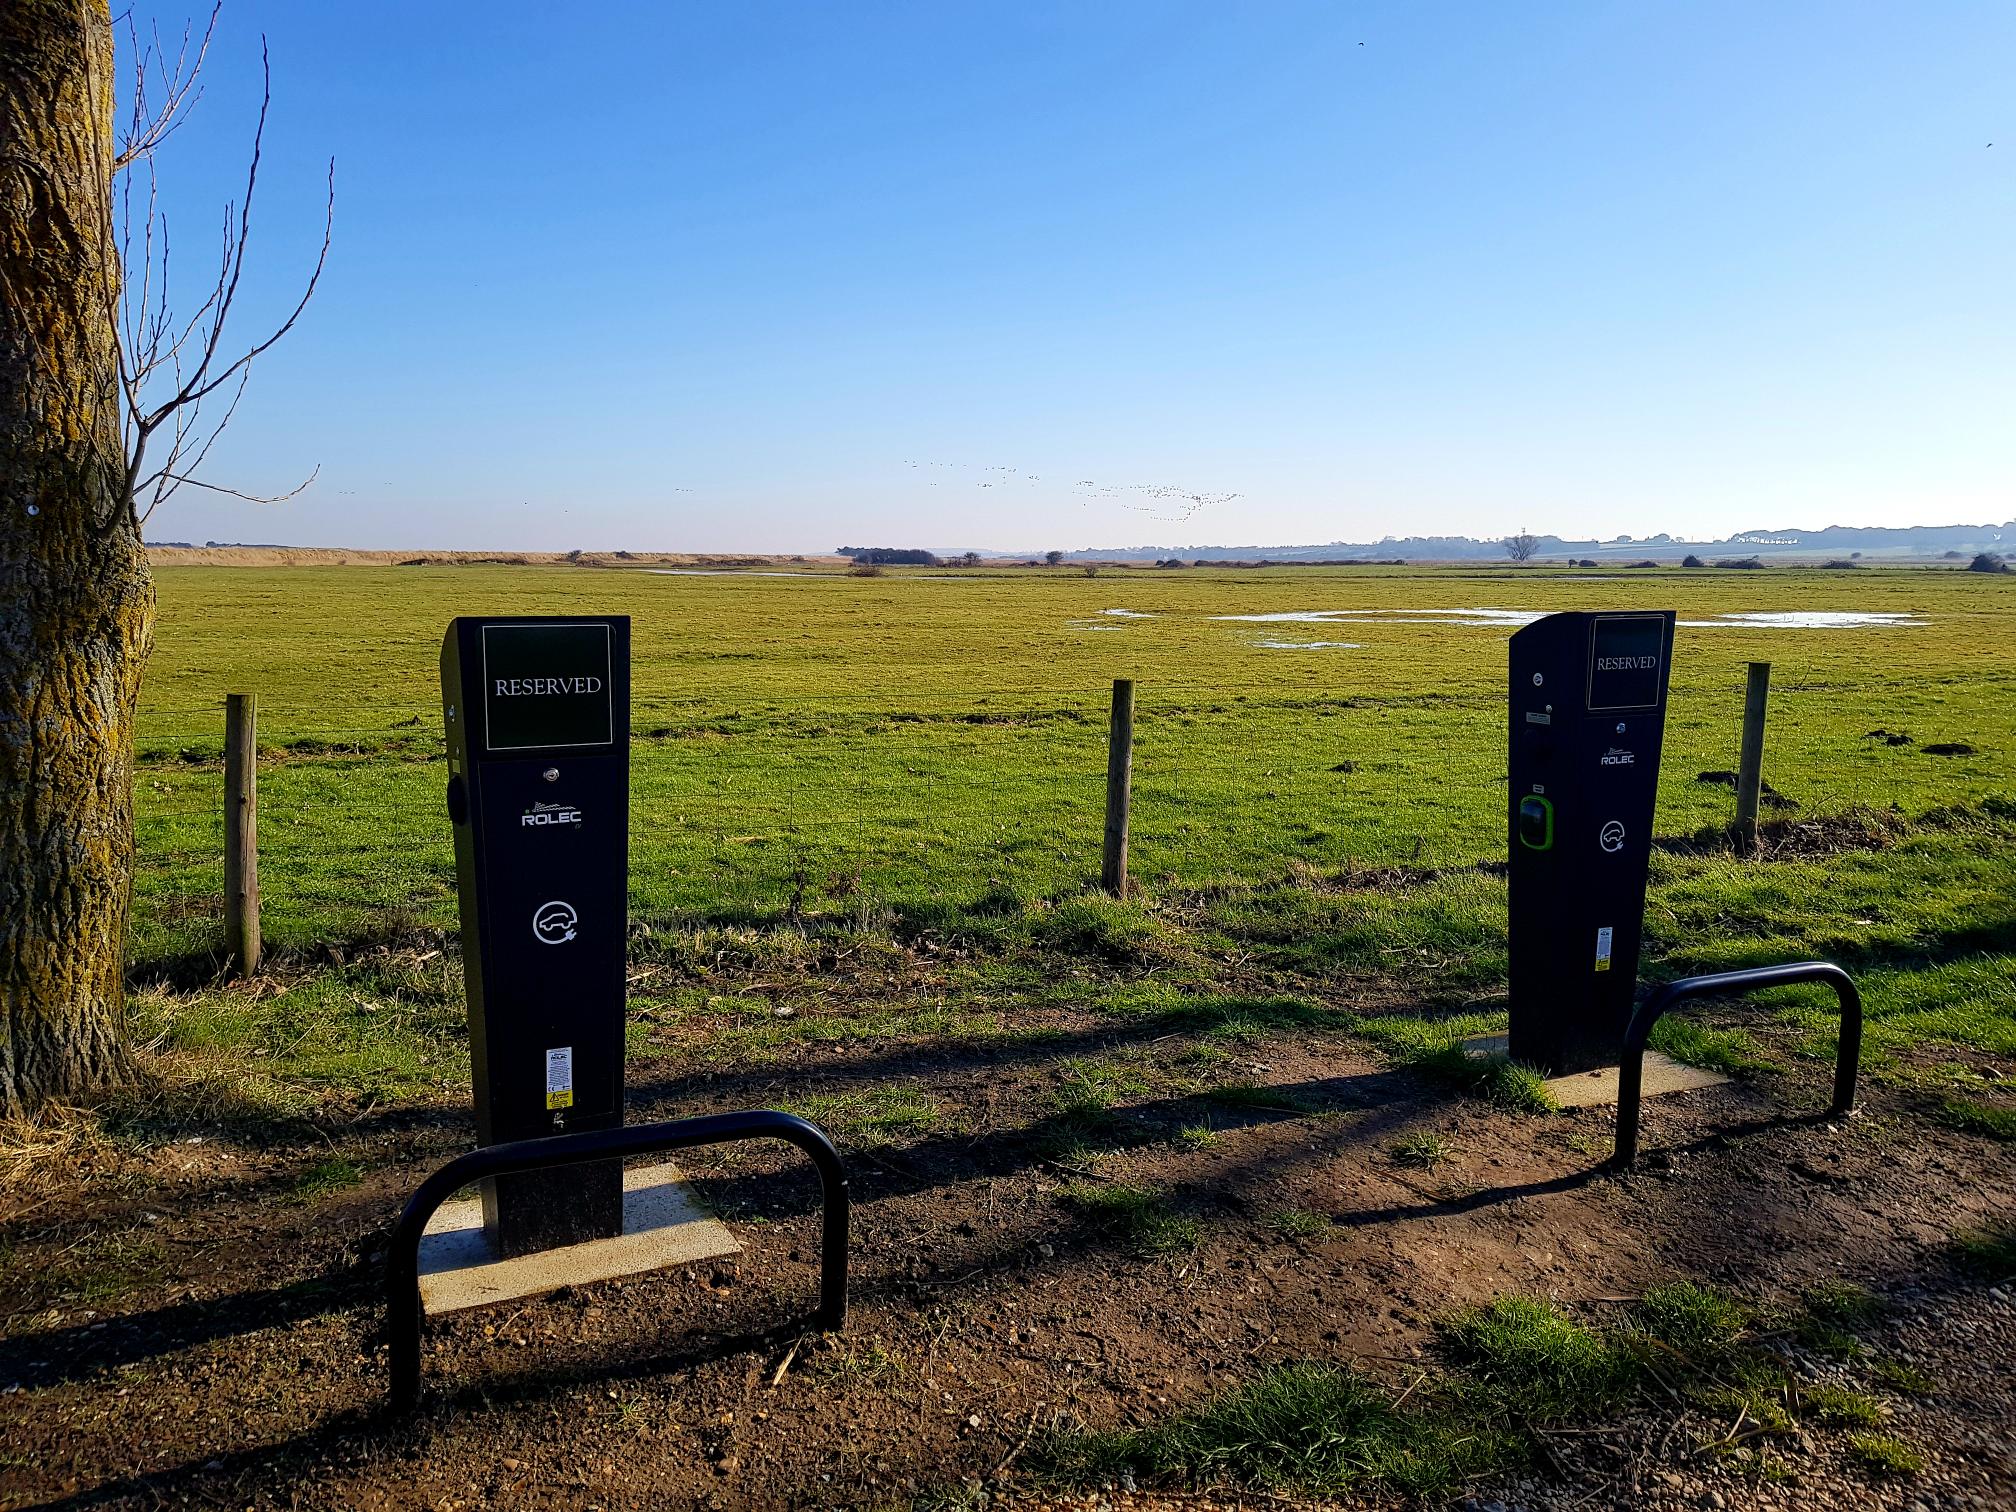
point(549, 813)
point(553, 923)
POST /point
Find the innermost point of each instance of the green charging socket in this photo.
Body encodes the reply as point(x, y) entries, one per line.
point(1536, 822)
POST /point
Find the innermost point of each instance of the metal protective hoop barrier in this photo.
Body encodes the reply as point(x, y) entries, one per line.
point(404, 1314)
point(1631, 1073)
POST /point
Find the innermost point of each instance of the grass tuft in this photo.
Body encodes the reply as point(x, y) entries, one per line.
point(1989, 1249)
point(1730, 1051)
point(1422, 1149)
point(1298, 1223)
point(1496, 1078)
point(1701, 1325)
point(1103, 928)
point(1972, 1117)
point(1318, 1428)
point(1838, 1407)
point(1885, 1454)
point(332, 1174)
point(869, 1364)
point(1520, 1087)
point(871, 1118)
point(1528, 1348)
point(1756, 1388)
point(1845, 1304)
point(1903, 1378)
point(1246, 1094)
point(1140, 1217)
point(1830, 1313)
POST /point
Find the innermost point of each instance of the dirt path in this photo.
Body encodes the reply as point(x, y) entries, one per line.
point(994, 1297)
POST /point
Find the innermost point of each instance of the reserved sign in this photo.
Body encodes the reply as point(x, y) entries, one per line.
point(546, 686)
point(1625, 651)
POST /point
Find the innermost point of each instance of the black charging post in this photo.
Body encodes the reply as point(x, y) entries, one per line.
point(537, 713)
point(1588, 715)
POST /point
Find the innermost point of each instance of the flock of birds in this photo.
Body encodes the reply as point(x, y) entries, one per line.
point(1160, 501)
point(1159, 498)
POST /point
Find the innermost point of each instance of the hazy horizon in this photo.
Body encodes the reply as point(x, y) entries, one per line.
point(1179, 548)
point(782, 279)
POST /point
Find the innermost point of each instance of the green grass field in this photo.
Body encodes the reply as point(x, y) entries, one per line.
point(922, 756)
point(1230, 1112)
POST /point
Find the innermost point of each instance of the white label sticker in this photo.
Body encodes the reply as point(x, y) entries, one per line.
point(560, 1077)
point(1603, 949)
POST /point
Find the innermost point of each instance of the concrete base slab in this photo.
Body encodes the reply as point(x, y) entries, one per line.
point(1590, 1089)
point(662, 1225)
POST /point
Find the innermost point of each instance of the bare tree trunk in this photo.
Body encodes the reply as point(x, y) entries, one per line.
point(76, 602)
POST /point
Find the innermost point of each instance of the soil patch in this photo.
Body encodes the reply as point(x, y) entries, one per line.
point(197, 1332)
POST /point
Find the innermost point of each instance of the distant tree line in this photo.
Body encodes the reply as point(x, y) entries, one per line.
point(1522, 547)
point(890, 556)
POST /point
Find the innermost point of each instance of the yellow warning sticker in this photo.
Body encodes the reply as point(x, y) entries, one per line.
point(560, 1078)
point(1603, 950)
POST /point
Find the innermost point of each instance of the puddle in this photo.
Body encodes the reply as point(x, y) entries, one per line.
point(1108, 615)
point(727, 572)
point(1291, 617)
point(1510, 619)
point(1310, 645)
point(1807, 619)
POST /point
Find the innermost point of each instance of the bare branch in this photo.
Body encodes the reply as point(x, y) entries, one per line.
point(315, 277)
point(179, 90)
point(161, 480)
point(252, 498)
point(153, 343)
point(234, 246)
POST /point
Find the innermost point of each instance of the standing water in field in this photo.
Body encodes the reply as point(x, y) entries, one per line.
point(1510, 619)
point(1513, 619)
point(1809, 619)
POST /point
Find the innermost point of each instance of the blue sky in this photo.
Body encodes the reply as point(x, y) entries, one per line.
point(673, 276)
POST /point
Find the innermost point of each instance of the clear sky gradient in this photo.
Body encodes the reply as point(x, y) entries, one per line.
point(683, 276)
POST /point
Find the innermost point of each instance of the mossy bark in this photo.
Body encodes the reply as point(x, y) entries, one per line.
point(76, 603)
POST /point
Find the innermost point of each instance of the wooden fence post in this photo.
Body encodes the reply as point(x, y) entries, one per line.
point(241, 831)
point(1750, 767)
point(1119, 788)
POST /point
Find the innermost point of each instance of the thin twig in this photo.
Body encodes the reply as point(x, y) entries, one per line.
point(1020, 1444)
point(1401, 1400)
point(777, 1376)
